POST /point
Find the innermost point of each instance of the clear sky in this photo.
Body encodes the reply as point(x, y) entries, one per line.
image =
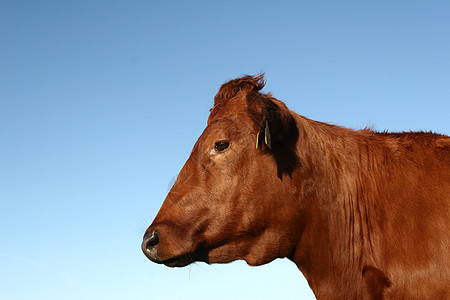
point(102, 101)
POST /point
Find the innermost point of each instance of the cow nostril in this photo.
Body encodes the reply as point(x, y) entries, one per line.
point(149, 245)
point(151, 240)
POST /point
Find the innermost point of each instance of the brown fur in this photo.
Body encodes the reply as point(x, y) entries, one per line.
point(364, 215)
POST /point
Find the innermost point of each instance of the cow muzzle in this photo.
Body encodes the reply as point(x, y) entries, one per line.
point(161, 251)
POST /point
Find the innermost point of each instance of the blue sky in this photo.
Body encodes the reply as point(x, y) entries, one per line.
point(102, 101)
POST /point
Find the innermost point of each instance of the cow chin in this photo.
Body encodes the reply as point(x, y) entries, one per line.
point(231, 252)
point(211, 257)
point(220, 255)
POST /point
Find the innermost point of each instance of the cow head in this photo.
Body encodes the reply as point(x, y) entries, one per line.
point(231, 198)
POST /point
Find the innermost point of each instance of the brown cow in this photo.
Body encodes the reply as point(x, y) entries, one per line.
point(363, 215)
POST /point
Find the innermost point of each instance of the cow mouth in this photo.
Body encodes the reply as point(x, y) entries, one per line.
point(178, 261)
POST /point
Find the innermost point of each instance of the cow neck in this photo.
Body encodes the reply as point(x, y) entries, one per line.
point(339, 210)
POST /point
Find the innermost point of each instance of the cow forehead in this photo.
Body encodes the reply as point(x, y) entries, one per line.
point(227, 127)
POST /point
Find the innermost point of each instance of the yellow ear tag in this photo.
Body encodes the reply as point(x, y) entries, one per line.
point(258, 143)
point(267, 137)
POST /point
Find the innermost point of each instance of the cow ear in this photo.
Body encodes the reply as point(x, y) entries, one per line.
point(272, 119)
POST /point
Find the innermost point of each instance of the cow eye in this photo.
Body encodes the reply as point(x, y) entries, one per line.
point(221, 146)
